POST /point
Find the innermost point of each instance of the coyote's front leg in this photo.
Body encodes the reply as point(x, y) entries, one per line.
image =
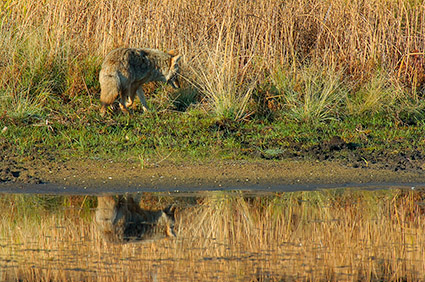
point(124, 102)
point(130, 101)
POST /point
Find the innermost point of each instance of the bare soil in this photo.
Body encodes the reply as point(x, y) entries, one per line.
point(330, 163)
point(99, 175)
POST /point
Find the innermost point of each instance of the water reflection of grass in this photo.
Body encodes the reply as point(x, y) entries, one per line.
point(330, 235)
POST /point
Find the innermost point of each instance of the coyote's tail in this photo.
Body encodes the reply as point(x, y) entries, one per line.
point(110, 88)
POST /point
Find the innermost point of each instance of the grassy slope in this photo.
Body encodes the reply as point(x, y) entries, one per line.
point(196, 136)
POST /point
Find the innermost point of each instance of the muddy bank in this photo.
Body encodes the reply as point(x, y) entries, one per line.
point(110, 176)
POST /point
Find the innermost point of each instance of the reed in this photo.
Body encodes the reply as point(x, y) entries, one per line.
point(329, 235)
point(47, 46)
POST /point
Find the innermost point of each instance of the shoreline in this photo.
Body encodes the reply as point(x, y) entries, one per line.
point(85, 177)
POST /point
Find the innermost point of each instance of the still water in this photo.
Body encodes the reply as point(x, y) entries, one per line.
point(323, 235)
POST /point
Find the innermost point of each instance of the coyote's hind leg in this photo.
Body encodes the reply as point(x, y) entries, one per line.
point(142, 98)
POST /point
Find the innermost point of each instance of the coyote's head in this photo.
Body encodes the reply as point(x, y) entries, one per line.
point(173, 73)
point(168, 219)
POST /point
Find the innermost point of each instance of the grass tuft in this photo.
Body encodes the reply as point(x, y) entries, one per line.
point(310, 94)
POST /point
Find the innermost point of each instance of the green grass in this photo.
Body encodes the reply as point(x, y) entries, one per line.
point(78, 132)
point(72, 129)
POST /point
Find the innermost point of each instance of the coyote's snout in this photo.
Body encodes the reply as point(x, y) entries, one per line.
point(122, 220)
point(125, 70)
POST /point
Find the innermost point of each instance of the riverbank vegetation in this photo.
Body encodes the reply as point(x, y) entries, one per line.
point(267, 79)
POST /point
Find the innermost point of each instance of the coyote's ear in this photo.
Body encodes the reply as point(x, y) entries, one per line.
point(175, 57)
point(173, 53)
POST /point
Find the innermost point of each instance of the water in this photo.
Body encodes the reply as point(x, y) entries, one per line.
point(258, 235)
point(55, 189)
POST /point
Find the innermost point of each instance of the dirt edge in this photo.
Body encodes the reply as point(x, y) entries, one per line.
point(100, 175)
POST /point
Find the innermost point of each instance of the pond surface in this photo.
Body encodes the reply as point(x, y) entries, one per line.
point(353, 234)
point(61, 189)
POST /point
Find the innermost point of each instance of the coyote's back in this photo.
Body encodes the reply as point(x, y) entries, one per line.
point(125, 70)
point(122, 220)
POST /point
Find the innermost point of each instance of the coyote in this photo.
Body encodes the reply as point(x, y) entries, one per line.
point(124, 70)
point(122, 220)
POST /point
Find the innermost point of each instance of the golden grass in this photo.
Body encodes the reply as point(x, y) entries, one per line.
point(355, 33)
point(228, 46)
point(305, 236)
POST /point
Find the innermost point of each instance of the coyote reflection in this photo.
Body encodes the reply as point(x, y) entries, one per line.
point(120, 219)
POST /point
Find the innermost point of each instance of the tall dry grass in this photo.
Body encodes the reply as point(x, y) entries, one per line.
point(229, 46)
point(304, 236)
